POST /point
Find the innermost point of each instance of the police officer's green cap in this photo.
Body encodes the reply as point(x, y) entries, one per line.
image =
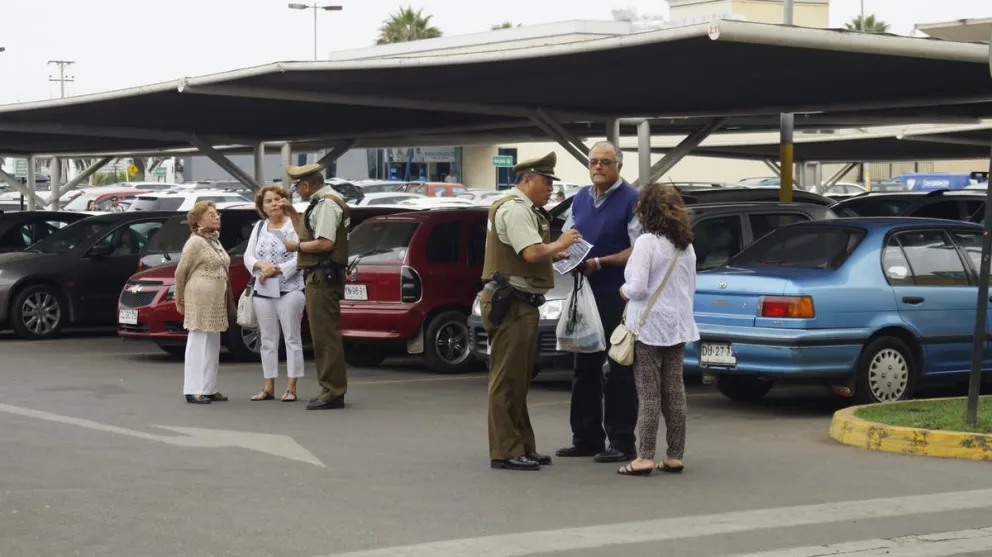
point(301, 172)
point(544, 166)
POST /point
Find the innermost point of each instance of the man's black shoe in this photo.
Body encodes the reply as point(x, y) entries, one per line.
point(542, 459)
point(320, 404)
point(573, 451)
point(519, 463)
point(614, 455)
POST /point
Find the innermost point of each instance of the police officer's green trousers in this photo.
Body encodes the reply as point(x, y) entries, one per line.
point(324, 316)
point(510, 370)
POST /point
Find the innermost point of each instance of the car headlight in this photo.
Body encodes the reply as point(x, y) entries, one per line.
point(170, 294)
point(477, 306)
point(552, 309)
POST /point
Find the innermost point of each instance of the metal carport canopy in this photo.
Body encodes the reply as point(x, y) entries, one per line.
point(728, 68)
point(959, 142)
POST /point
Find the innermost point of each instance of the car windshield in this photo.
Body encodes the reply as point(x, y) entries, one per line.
point(381, 241)
point(70, 237)
point(813, 247)
point(873, 207)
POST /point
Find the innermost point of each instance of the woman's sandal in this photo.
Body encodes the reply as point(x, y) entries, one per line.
point(289, 396)
point(264, 395)
point(629, 470)
point(670, 469)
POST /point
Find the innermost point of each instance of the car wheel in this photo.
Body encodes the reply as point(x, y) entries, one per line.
point(244, 343)
point(173, 349)
point(447, 347)
point(886, 372)
point(37, 312)
point(743, 389)
point(363, 355)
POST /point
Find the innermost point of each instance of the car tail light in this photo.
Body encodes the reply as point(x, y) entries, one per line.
point(411, 287)
point(140, 266)
point(786, 306)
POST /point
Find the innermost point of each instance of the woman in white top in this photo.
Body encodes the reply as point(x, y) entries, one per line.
point(663, 250)
point(278, 291)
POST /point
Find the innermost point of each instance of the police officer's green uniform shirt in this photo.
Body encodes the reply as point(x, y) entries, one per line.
point(518, 226)
point(326, 217)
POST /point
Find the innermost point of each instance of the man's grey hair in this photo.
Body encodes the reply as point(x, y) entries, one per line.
point(609, 144)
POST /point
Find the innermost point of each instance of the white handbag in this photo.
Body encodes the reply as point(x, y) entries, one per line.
point(246, 306)
point(622, 339)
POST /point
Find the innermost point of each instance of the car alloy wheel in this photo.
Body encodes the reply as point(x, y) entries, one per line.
point(888, 375)
point(41, 313)
point(452, 341)
point(252, 339)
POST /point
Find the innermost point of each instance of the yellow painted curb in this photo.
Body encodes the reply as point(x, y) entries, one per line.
point(848, 429)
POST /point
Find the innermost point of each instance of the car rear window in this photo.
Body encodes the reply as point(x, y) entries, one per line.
point(813, 247)
point(381, 242)
point(877, 207)
point(143, 203)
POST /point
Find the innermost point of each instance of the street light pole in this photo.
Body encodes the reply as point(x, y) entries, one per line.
point(315, 7)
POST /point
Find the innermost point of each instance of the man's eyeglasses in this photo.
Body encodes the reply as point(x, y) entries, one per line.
point(604, 162)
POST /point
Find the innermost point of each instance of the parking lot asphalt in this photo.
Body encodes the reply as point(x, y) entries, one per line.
point(101, 456)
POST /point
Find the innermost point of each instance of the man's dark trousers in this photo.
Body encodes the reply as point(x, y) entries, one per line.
point(590, 390)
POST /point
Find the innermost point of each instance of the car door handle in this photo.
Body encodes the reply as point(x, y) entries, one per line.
point(913, 299)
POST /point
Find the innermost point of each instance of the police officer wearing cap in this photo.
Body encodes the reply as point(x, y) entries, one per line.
point(323, 256)
point(518, 271)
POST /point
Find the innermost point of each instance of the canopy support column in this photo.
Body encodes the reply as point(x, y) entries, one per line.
point(644, 152)
point(260, 163)
point(55, 171)
point(786, 147)
point(287, 161)
point(980, 336)
point(33, 199)
point(680, 151)
point(613, 132)
point(224, 162)
point(20, 188)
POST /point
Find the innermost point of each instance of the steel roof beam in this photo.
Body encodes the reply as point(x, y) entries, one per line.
point(946, 140)
point(680, 151)
point(224, 162)
point(272, 93)
point(21, 189)
point(90, 170)
point(111, 132)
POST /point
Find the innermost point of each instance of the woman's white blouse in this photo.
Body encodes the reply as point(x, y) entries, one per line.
point(671, 321)
point(269, 246)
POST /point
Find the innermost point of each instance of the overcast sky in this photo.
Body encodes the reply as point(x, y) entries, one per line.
point(124, 43)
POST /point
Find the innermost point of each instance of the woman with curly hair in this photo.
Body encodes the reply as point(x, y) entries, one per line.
point(660, 282)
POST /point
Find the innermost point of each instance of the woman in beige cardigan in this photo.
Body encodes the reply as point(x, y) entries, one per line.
point(204, 299)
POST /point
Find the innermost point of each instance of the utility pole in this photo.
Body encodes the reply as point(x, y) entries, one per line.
point(62, 80)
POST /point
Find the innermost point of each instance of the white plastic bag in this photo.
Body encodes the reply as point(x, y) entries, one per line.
point(579, 327)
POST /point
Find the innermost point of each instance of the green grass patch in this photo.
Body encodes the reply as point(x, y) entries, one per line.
point(946, 414)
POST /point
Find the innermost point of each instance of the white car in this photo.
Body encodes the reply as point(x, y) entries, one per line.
point(425, 202)
point(385, 198)
point(183, 201)
point(483, 198)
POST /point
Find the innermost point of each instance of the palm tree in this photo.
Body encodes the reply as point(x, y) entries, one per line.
point(868, 25)
point(407, 25)
point(505, 25)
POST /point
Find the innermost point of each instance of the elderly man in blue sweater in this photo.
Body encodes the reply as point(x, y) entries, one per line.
point(604, 408)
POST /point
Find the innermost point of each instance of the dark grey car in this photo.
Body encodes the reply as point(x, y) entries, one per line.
point(75, 275)
point(721, 230)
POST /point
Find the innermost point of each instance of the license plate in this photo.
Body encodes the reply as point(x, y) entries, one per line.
point(356, 292)
point(717, 354)
point(128, 317)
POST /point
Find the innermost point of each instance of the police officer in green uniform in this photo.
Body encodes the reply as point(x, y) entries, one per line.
point(322, 256)
point(518, 272)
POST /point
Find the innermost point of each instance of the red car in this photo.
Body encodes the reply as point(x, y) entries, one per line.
point(147, 310)
point(412, 280)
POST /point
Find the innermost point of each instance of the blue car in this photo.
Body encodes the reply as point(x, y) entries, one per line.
point(872, 307)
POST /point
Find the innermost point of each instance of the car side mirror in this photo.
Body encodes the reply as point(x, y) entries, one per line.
point(101, 250)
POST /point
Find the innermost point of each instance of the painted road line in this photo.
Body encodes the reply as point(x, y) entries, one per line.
point(930, 545)
point(276, 445)
point(591, 537)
